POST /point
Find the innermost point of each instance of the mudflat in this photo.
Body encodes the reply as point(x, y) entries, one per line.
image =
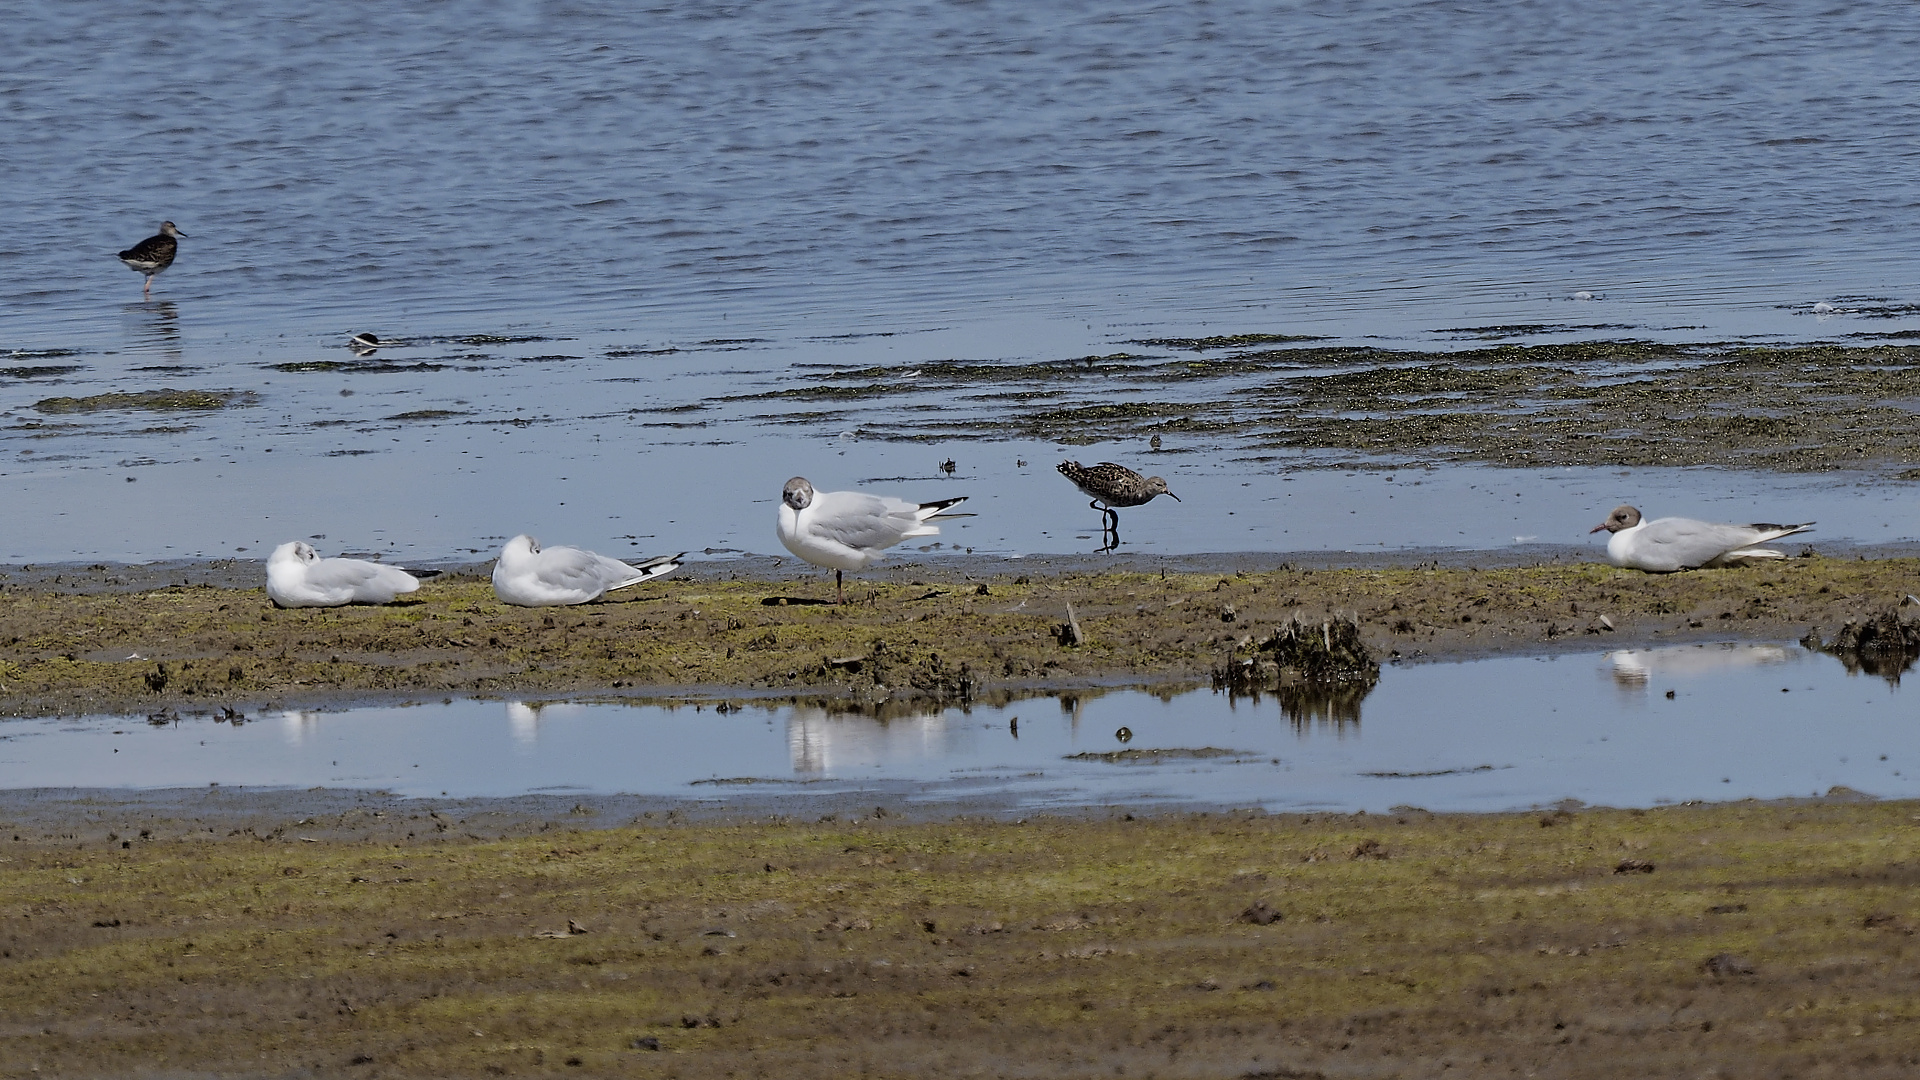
point(216, 937)
point(916, 633)
point(1809, 408)
point(358, 934)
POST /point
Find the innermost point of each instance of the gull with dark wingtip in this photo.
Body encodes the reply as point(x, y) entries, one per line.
point(528, 575)
point(851, 530)
point(154, 254)
point(1112, 486)
point(298, 577)
point(1664, 545)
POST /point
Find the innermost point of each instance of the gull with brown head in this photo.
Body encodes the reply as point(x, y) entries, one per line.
point(1664, 545)
point(851, 530)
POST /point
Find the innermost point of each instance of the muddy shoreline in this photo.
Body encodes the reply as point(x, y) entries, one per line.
point(238, 932)
point(221, 934)
point(104, 640)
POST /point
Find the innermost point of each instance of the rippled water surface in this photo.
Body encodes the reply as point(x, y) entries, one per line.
point(1628, 728)
point(588, 223)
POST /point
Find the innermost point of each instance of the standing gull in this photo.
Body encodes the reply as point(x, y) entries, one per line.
point(1664, 545)
point(1113, 485)
point(298, 577)
point(531, 576)
point(154, 254)
point(850, 530)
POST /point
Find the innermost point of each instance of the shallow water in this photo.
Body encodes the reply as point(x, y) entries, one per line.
point(661, 207)
point(1627, 728)
point(683, 162)
point(422, 501)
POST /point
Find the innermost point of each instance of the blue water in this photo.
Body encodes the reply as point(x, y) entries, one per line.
point(1743, 721)
point(690, 200)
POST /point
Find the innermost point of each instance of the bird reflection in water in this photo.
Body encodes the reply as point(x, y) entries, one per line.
point(297, 725)
point(1634, 669)
point(820, 742)
point(523, 719)
point(155, 330)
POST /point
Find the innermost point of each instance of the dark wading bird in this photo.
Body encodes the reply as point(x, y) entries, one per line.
point(1113, 486)
point(154, 254)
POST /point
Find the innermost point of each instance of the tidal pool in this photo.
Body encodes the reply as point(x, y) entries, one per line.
point(1624, 728)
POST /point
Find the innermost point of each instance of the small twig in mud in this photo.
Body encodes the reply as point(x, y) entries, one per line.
point(1069, 632)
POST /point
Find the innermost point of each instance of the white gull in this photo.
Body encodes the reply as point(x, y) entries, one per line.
point(298, 577)
point(1667, 544)
point(529, 575)
point(850, 530)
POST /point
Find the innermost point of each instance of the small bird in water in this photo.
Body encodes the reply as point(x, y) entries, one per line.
point(298, 577)
point(528, 575)
point(154, 254)
point(851, 530)
point(1664, 545)
point(363, 344)
point(1114, 485)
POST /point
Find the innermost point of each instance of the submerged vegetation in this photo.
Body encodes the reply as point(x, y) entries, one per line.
point(41, 371)
point(1224, 341)
point(161, 400)
point(1806, 408)
point(357, 367)
point(431, 939)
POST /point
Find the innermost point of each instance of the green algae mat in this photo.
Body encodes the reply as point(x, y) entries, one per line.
point(1761, 940)
point(1802, 408)
point(944, 637)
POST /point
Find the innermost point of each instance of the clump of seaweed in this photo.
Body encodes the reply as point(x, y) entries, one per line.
point(41, 371)
point(428, 414)
point(1319, 671)
point(162, 399)
point(1224, 341)
point(40, 354)
point(381, 367)
point(1884, 644)
point(494, 339)
point(1331, 652)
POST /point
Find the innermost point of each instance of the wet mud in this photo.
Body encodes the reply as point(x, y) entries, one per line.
point(909, 635)
point(321, 934)
point(1796, 409)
